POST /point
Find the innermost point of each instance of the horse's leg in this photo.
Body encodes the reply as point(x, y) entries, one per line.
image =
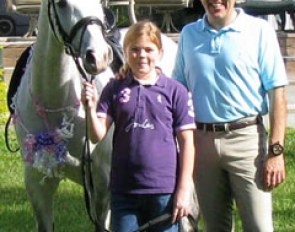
point(41, 197)
point(99, 202)
point(101, 157)
point(102, 203)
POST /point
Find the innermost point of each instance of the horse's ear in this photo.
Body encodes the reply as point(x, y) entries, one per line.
point(110, 18)
point(61, 3)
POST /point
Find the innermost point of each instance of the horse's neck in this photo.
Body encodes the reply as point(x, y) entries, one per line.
point(51, 69)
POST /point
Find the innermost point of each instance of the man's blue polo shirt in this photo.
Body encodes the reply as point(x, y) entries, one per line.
point(229, 71)
point(146, 119)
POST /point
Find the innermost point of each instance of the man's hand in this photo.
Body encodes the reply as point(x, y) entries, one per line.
point(274, 172)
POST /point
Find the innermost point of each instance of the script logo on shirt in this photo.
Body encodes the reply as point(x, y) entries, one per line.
point(144, 125)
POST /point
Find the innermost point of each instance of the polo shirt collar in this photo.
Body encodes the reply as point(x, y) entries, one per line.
point(162, 81)
point(236, 25)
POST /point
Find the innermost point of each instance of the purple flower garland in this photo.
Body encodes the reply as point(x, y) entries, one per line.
point(45, 151)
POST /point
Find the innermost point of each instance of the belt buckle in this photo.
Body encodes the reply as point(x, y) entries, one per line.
point(224, 127)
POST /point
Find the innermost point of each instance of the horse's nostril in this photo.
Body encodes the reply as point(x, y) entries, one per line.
point(90, 58)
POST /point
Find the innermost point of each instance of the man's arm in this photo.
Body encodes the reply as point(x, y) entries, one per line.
point(274, 168)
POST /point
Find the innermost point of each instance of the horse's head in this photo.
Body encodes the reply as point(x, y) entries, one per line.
point(81, 26)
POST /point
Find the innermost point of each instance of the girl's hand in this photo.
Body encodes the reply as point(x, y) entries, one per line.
point(181, 204)
point(89, 95)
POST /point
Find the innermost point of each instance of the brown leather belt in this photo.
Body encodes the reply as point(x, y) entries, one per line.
point(223, 127)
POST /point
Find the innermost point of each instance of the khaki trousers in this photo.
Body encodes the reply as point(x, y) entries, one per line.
point(229, 167)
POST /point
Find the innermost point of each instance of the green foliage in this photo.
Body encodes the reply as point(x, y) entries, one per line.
point(122, 17)
point(3, 105)
point(1, 74)
point(3, 92)
point(121, 14)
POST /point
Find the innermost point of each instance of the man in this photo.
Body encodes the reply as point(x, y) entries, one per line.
point(231, 63)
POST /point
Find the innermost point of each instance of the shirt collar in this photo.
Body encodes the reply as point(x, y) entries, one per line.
point(236, 25)
point(151, 81)
point(161, 80)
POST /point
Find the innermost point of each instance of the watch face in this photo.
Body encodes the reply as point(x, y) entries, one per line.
point(277, 149)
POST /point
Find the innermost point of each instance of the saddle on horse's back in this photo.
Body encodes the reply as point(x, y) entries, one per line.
point(16, 76)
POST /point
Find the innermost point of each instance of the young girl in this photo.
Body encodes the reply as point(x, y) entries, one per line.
point(149, 177)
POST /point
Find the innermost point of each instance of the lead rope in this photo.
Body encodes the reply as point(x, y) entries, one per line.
point(86, 167)
point(88, 183)
point(86, 160)
point(6, 136)
point(163, 218)
point(89, 190)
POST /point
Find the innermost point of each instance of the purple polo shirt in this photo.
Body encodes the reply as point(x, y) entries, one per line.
point(146, 119)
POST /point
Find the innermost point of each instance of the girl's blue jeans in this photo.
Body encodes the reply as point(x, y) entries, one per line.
point(130, 211)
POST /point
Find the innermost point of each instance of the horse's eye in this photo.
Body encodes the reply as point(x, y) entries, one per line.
point(61, 3)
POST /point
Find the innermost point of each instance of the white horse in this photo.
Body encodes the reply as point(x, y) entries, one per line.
point(49, 119)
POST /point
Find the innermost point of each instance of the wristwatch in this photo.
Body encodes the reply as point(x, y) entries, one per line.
point(276, 149)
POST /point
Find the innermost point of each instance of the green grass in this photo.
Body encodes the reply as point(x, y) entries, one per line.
point(16, 214)
point(15, 210)
point(284, 195)
point(70, 212)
